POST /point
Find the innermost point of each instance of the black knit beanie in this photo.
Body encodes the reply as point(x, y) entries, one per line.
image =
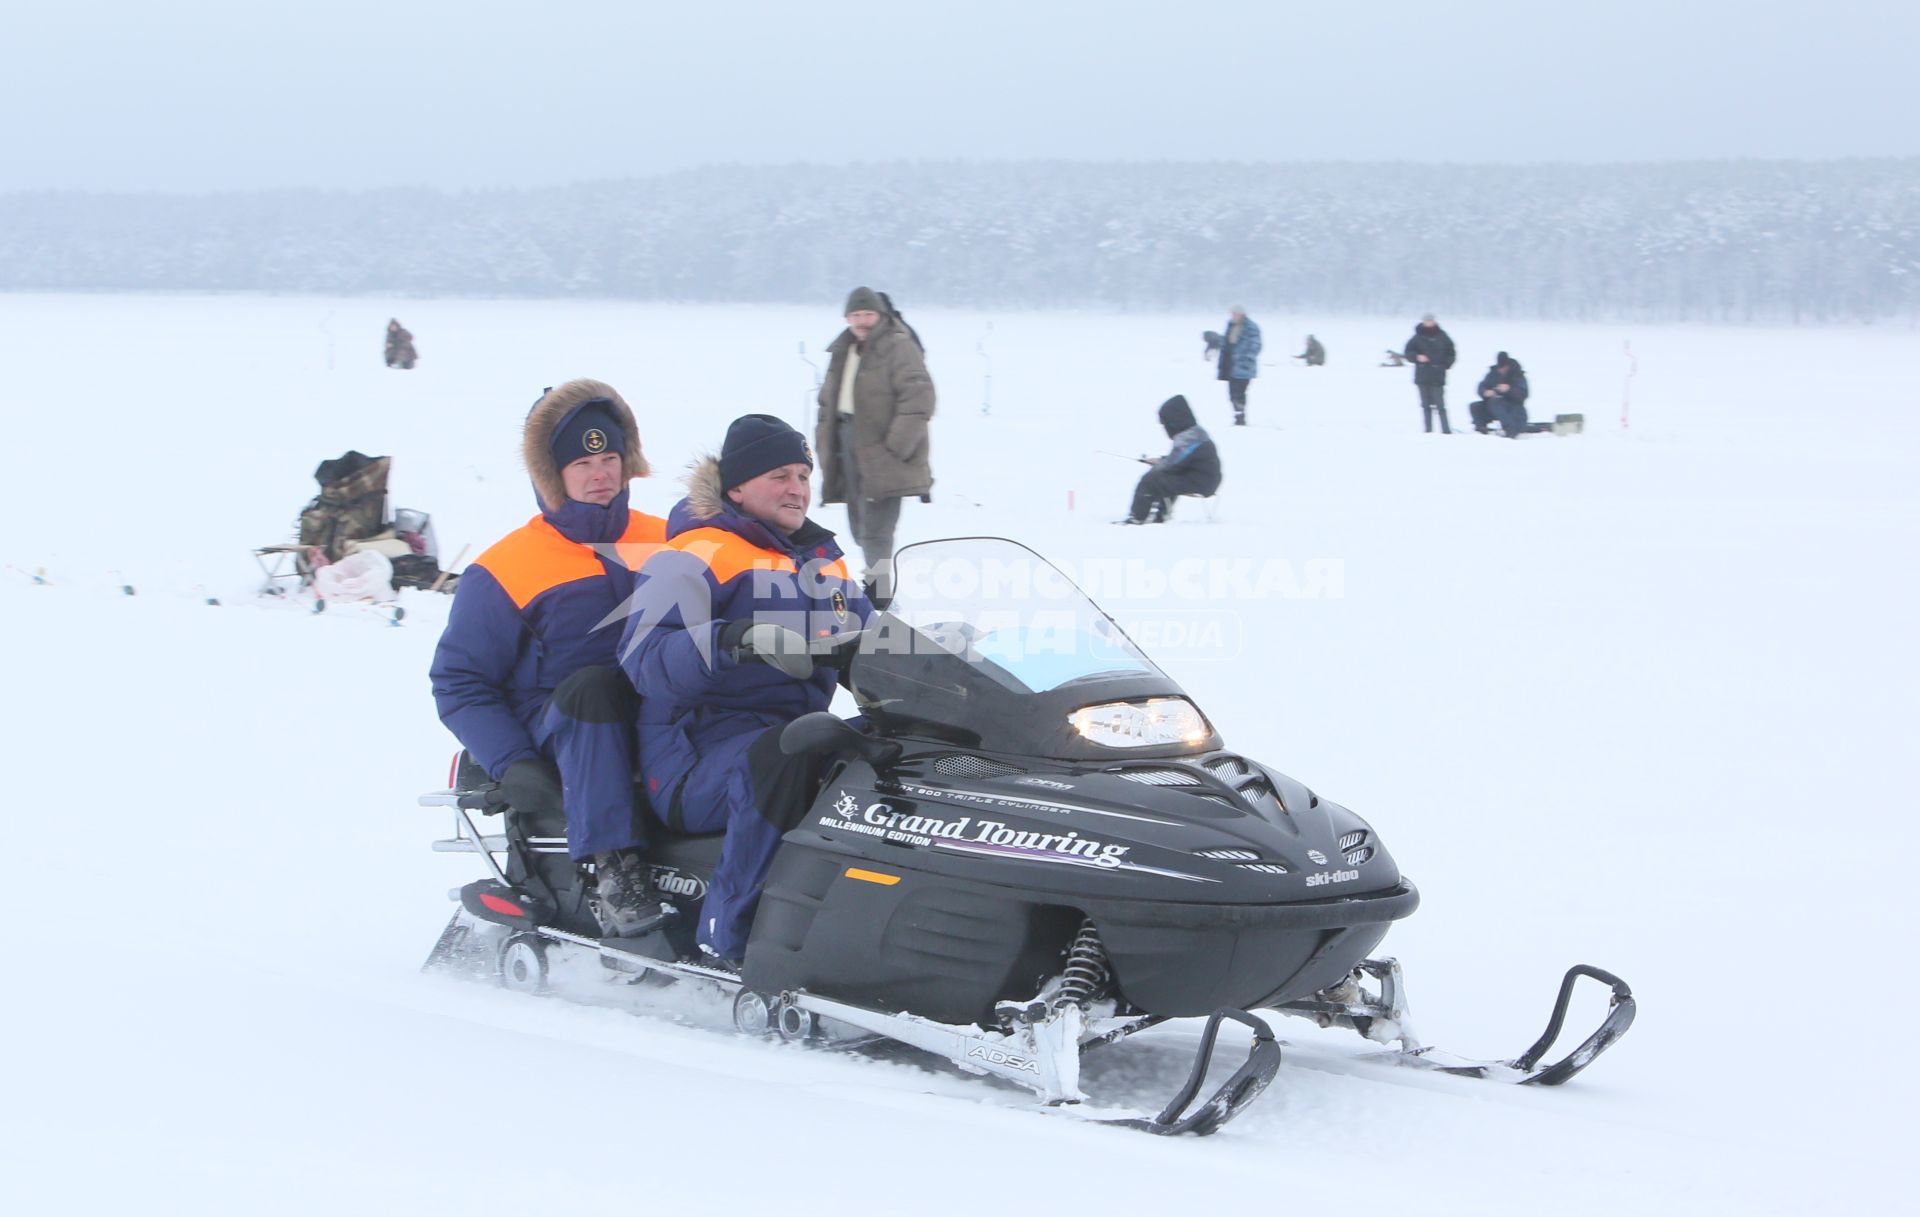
point(863, 298)
point(757, 443)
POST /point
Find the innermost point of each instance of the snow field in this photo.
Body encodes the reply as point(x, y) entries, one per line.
point(1637, 698)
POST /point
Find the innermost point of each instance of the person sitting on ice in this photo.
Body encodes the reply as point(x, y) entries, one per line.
point(1191, 466)
point(1503, 398)
point(400, 352)
point(525, 673)
point(717, 639)
point(1315, 353)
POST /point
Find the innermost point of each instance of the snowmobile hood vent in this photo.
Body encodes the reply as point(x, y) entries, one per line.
point(1157, 777)
point(1265, 868)
point(1227, 767)
point(1229, 855)
point(1354, 847)
point(963, 765)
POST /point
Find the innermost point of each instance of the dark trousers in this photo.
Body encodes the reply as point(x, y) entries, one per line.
point(872, 521)
point(745, 786)
point(587, 730)
point(1237, 394)
point(1156, 492)
point(1433, 396)
point(1510, 414)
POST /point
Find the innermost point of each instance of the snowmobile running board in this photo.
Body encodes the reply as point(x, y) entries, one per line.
point(1382, 1017)
point(1039, 1048)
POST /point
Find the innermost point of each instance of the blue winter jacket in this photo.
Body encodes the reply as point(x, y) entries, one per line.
point(720, 566)
point(529, 613)
point(1240, 360)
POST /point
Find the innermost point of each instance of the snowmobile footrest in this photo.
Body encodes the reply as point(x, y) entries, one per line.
point(1263, 1061)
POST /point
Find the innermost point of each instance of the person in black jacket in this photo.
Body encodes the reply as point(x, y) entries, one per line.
point(1191, 466)
point(1431, 353)
point(1503, 398)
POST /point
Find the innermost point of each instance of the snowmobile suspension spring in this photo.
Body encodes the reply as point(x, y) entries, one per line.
point(1086, 974)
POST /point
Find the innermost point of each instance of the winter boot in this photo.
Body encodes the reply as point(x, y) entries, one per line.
point(623, 898)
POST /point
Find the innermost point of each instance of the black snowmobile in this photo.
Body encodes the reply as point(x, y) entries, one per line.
point(1034, 844)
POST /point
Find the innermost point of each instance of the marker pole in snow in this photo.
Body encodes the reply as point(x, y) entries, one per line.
point(986, 391)
point(819, 378)
point(1626, 386)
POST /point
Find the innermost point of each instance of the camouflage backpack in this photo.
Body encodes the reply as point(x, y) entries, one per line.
point(351, 505)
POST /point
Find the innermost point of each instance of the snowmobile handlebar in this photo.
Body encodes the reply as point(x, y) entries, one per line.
point(824, 731)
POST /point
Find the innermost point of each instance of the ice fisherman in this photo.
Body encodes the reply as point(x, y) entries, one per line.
point(875, 404)
point(1430, 351)
point(526, 673)
point(1239, 360)
point(1315, 353)
point(717, 639)
point(1503, 398)
point(400, 352)
point(1191, 466)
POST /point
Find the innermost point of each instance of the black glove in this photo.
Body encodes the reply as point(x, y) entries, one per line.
point(532, 787)
point(774, 645)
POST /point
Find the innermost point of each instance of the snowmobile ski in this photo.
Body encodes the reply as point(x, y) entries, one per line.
point(1381, 1016)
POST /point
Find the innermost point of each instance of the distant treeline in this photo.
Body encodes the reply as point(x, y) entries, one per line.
point(1705, 241)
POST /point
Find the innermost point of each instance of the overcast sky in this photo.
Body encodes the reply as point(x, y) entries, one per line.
point(201, 95)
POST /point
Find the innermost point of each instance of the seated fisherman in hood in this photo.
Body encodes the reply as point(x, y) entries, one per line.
point(1191, 466)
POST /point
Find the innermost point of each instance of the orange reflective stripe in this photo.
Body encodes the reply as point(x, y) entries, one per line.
point(645, 535)
point(728, 555)
point(535, 558)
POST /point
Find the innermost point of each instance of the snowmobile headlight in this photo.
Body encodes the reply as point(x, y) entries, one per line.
point(1141, 724)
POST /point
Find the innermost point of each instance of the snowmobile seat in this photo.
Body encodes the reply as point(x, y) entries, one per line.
point(478, 792)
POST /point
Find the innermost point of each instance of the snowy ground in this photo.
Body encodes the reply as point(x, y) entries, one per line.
point(1639, 698)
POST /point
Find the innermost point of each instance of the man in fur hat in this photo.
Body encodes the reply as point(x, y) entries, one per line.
point(718, 639)
point(875, 403)
point(525, 673)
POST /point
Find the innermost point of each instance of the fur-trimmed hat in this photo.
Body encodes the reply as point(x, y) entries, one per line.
point(552, 415)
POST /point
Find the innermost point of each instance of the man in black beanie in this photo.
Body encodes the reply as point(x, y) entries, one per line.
point(1503, 398)
point(718, 638)
point(875, 404)
point(1192, 466)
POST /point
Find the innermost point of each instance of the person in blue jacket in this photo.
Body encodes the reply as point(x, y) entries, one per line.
point(717, 643)
point(525, 675)
point(1191, 466)
point(1239, 360)
point(1503, 398)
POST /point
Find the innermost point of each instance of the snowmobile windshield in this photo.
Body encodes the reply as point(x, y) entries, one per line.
point(1012, 614)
